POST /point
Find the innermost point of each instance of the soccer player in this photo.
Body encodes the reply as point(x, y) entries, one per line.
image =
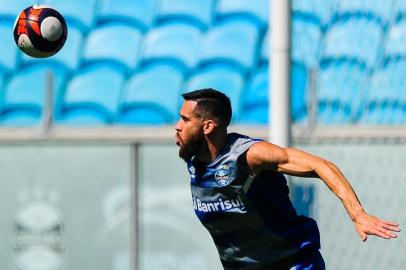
point(240, 195)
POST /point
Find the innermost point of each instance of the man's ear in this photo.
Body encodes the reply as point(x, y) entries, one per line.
point(208, 126)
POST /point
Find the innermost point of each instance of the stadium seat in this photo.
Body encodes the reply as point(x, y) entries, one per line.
point(254, 10)
point(92, 96)
point(256, 99)
point(396, 40)
point(177, 43)
point(115, 43)
point(379, 9)
point(151, 96)
point(322, 10)
point(264, 57)
point(138, 12)
point(385, 102)
point(8, 48)
point(79, 13)
point(67, 58)
point(10, 10)
point(340, 91)
point(23, 98)
point(256, 96)
point(234, 42)
point(223, 78)
point(356, 38)
point(399, 10)
point(306, 42)
point(199, 13)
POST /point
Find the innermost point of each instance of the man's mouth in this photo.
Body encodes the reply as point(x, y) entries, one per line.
point(177, 140)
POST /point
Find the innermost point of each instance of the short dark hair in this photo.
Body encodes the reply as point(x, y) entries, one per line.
point(211, 104)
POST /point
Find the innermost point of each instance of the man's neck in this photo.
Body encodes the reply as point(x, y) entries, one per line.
point(213, 147)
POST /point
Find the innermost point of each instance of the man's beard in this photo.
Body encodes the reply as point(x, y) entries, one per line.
point(190, 149)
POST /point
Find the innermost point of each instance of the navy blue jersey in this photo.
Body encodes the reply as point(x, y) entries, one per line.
point(251, 219)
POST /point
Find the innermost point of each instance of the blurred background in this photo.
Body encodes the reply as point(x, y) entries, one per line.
point(90, 175)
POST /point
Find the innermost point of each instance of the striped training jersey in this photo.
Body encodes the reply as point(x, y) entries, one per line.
point(251, 219)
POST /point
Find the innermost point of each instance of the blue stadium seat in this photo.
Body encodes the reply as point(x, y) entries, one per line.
point(175, 42)
point(400, 10)
point(8, 48)
point(23, 98)
point(151, 96)
point(306, 42)
point(385, 102)
point(256, 96)
point(379, 9)
point(396, 40)
point(234, 42)
point(116, 43)
point(340, 90)
point(356, 38)
point(322, 10)
point(254, 10)
point(92, 96)
point(265, 49)
point(199, 13)
point(256, 99)
point(10, 10)
point(68, 57)
point(79, 13)
point(138, 12)
point(222, 78)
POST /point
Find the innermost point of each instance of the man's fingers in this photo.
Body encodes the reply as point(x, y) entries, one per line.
point(386, 232)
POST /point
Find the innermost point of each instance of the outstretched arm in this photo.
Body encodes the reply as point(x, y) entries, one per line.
point(291, 161)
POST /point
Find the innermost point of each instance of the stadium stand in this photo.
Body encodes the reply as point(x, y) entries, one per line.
point(239, 44)
point(8, 49)
point(319, 10)
point(378, 9)
point(306, 41)
point(255, 10)
point(92, 96)
point(22, 105)
point(336, 45)
point(340, 89)
point(114, 35)
point(82, 18)
point(10, 12)
point(220, 76)
point(354, 38)
point(140, 104)
point(199, 14)
point(176, 43)
point(140, 13)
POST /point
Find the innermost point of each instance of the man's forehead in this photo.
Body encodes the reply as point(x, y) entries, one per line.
point(188, 107)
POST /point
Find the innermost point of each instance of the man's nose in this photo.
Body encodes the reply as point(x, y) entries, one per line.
point(178, 126)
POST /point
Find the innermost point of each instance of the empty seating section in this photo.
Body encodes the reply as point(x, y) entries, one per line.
point(255, 10)
point(8, 49)
point(92, 96)
point(354, 38)
point(102, 45)
point(234, 42)
point(378, 9)
point(23, 98)
point(175, 42)
point(137, 12)
point(200, 13)
point(127, 62)
point(78, 13)
point(223, 78)
point(140, 104)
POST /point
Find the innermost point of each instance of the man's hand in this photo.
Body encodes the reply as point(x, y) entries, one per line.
point(370, 225)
